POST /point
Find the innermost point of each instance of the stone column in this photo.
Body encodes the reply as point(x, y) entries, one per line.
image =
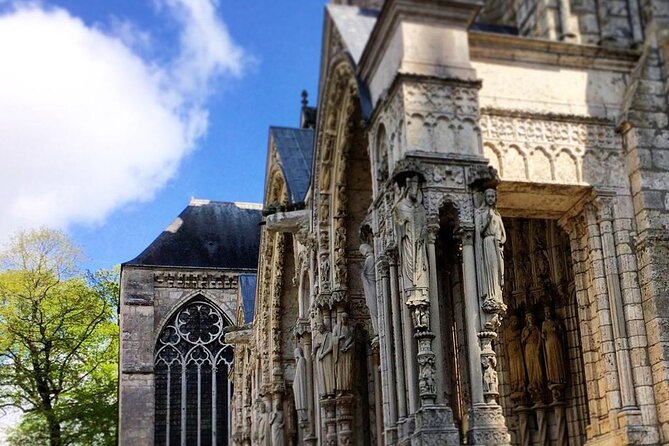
point(487, 425)
point(344, 419)
point(390, 348)
point(472, 317)
point(605, 219)
point(435, 314)
point(329, 422)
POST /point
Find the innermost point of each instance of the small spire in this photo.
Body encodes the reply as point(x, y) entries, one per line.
point(305, 101)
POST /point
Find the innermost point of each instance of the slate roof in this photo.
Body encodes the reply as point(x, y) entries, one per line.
point(295, 148)
point(208, 234)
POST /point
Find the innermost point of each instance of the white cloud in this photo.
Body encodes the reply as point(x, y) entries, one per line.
point(86, 124)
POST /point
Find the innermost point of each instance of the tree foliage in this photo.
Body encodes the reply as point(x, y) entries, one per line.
point(58, 343)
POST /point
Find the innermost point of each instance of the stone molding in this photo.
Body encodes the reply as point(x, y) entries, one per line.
point(502, 47)
point(549, 149)
point(196, 280)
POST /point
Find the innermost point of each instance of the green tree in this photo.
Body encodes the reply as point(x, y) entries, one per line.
point(58, 343)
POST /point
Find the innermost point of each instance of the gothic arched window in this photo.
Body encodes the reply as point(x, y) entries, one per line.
point(191, 377)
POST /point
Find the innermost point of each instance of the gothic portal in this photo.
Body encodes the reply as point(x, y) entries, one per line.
point(465, 242)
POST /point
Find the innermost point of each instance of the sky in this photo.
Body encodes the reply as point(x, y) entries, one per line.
point(114, 113)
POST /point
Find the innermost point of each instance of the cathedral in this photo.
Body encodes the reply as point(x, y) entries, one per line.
point(464, 242)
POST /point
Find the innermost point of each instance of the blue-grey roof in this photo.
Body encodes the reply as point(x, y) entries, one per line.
point(354, 25)
point(247, 286)
point(295, 148)
point(208, 234)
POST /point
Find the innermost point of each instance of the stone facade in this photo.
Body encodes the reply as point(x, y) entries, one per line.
point(490, 182)
point(161, 308)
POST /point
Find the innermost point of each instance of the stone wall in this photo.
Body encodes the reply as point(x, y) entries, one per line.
point(149, 296)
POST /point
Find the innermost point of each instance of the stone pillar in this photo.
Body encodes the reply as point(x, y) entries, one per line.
point(472, 318)
point(605, 219)
point(487, 425)
point(406, 388)
point(392, 350)
point(344, 420)
point(329, 422)
point(435, 314)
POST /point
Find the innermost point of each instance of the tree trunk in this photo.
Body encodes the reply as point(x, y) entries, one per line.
point(55, 438)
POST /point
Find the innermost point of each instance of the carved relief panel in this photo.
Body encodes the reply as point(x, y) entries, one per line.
point(536, 148)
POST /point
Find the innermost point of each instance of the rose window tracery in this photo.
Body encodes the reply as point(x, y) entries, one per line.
point(193, 391)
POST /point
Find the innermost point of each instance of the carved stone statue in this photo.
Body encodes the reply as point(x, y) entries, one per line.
point(531, 340)
point(514, 352)
point(492, 236)
point(325, 268)
point(556, 370)
point(369, 284)
point(345, 339)
point(490, 380)
point(411, 220)
point(323, 348)
point(261, 434)
point(277, 423)
point(300, 387)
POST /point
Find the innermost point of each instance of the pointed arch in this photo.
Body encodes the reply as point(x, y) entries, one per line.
point(191, 368)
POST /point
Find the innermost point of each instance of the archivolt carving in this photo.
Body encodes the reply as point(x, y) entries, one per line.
point(550, 151)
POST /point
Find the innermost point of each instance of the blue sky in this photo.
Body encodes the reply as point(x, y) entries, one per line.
point(179, 113)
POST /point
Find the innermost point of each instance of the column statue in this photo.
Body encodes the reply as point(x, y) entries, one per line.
point(277, 423)
point(490, 262)
point(260, 434)
point(514, 351)
point(531, 340)
point(369, 284)
point(300, 387)
point(323, 352)
point(556, 370)
point(411, 220)
point(345, 340)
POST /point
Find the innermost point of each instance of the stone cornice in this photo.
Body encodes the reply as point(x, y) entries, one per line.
point(490, 46)
point(461, 13)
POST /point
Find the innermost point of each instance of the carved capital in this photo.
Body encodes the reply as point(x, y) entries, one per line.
point(432, 232)
point(302, 327)
point(604, 208)
point(383, 266)
point(465, 235)
point(339, 295)
point(392, 254)
point(480, 177)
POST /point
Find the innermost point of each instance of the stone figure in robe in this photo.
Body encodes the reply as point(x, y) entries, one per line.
point(491, 237)
point(514, 352)
point(490, 379)
point(345, 339)
point(411, 221)
point(300, 387)
point(325, 268)
point(261, 433)
point(277, 423)
point(531, 340)
point(369, 284)
point(323, 349)
point(551, 333)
